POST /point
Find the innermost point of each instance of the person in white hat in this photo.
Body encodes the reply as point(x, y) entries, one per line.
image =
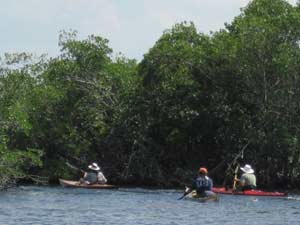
point(94, 175)
point(248, 179)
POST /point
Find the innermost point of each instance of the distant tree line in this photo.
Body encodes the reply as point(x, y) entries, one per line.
point(215, 100)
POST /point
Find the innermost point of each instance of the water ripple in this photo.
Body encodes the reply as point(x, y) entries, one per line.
point(33, 205)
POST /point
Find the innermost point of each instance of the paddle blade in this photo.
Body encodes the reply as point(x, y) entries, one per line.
point(186, 192)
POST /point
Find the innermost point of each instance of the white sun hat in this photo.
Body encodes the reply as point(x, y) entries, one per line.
point(94, 166)
point(247, 169)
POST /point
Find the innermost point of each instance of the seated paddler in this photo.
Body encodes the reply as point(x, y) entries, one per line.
point(203, 184)
point(93, 175)
point(248, 179)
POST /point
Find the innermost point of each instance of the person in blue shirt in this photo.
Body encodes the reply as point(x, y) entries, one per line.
point(203, 184)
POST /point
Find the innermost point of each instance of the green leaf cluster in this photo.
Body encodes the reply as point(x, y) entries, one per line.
point(193, 100)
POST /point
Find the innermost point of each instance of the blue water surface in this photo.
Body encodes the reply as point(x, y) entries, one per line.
point(33, 205)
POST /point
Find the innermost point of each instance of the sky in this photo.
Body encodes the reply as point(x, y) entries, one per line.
point(131, 26)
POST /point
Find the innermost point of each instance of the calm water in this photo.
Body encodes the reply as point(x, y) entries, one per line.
point(57, 205)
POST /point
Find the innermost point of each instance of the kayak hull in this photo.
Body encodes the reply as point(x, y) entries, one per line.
point(193, 196)
point(222, 190)
point(76, 184)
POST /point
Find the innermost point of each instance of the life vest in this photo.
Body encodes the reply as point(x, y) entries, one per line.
point(91, 177)
point(203, 184)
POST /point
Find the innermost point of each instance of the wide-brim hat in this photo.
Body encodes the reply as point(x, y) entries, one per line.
point(247, 169)
point(94, 166)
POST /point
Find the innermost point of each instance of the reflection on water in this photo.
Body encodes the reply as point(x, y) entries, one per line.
point(293, 198)
point(32, 205)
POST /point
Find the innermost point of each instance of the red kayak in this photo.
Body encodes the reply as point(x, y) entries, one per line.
point(222, 190)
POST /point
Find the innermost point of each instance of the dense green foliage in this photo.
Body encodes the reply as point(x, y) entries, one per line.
point(194, 100)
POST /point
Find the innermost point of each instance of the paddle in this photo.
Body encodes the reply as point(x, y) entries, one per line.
point(74, 167)
point(186, 192)
point(235, 176)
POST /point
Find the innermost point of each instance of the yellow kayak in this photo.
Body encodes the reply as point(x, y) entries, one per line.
point(193, 196)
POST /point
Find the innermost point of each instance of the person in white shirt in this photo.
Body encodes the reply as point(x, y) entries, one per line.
point(95, 176)
point(248, 178)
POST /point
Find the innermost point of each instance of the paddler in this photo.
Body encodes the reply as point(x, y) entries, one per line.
point(94, 175)
point(248, 179)
point(203, 184)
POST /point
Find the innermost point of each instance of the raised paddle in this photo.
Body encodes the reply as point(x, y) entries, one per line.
point(235, 176)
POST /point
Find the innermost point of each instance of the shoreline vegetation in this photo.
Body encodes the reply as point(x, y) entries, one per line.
point(193, 100)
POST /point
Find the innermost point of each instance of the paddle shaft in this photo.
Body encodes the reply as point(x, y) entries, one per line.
point(235, 177)
point(74, 167)
point(186, 192)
